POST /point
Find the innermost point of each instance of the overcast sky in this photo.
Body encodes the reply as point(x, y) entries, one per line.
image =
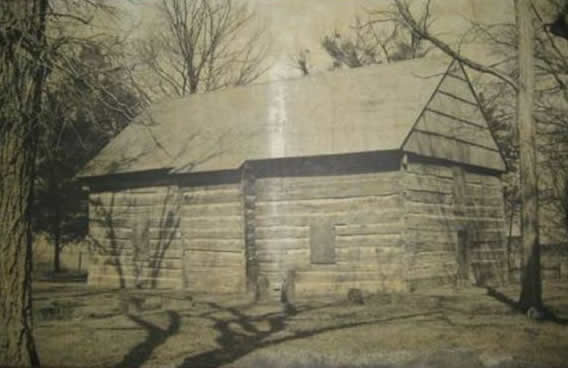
point(294, 25)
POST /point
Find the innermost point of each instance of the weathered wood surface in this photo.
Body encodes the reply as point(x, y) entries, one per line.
point(439, 202)
point(137, 235)
point(439, 123)
point(248, 210)
point(432, 145)
point(454, 128)
point(364, 214)
point(327, 187)
point(213, 231)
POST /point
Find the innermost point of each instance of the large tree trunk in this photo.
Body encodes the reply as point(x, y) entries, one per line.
point(22, 75)
point(531, 292)
point(16, 340)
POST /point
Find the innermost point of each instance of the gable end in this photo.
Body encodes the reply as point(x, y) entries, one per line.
point(453, 126)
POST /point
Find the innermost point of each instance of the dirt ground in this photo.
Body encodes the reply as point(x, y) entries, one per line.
point(85, 327)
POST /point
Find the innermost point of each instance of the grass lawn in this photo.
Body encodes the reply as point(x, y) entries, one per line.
point(84, 327)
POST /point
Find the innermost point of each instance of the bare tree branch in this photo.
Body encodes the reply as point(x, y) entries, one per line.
point(407, 17)
point(204, 45)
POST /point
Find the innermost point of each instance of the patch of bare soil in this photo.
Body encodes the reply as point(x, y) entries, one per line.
point(83, 327)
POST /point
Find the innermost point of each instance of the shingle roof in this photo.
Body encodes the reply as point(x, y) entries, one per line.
point(357, 110)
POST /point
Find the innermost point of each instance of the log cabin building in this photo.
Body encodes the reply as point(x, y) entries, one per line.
point(384, 178)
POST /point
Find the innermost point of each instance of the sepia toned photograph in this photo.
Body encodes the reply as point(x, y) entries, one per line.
point(284, 183)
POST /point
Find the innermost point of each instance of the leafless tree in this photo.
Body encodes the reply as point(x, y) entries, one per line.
point(33, 54)
point(550, 61)
point(382, 37)
point(203, 45)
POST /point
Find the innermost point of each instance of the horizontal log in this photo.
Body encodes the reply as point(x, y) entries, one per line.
point(212, 233)
point(433, 258)
point(328, 205)
point(483, 179)
point(125, 199)
point(203, 196)
point(217, 245)
point(424, 196)
point(281, 244)
point(164, 234)
point(169, 253)
point(440, 223)
point(369, 177)
point(476, 190)
point(420, 270)
point(232, 223)
point(128, 220)
point(128, 245)
point(164, 189)
point(427, 183)
point(377, 257)
point(422, 169)
point(280, 268)
point(328, 187)
point(449, 210)
point(488, 237)
point(377, 241)
point(414, 236)
point(377, 216)
point(285, 257)
point(210, 188)
point(213, 210)
point(195, 258)
point(101, 232)
point(279, 232)
point(369, 229)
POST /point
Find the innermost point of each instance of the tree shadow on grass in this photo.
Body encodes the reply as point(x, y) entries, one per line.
point(156, 337)
point(240, 336)
point(548, 314)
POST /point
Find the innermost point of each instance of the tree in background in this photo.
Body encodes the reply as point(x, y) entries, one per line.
point(549, 109)
point(34, 58)
point(382, 37)
point(203, 45)
point(83, 111)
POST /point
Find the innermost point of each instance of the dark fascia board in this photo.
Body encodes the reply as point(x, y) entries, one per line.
point(449, 163)
point(138, 179)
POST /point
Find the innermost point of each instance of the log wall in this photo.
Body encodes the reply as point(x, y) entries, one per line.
point(213, 233)
point(364, 212)
point(439, 202)
point(136, 237)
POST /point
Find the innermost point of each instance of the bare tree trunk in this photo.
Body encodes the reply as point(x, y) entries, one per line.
point(22, 78)
point(531, 292)
point(16, 341)
point(55, 208)
point(57, 239)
